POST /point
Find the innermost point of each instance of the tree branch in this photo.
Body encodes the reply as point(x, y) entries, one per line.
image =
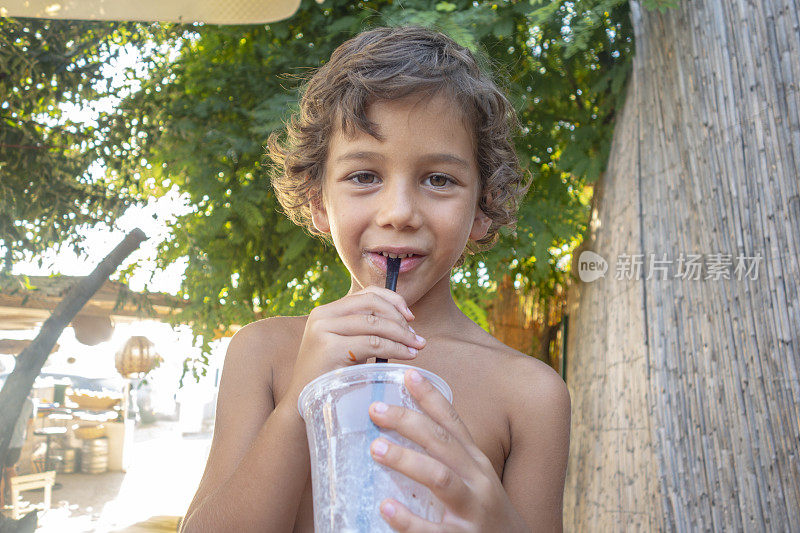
point(30, 361)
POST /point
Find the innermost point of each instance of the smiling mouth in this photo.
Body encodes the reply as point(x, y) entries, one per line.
point(401, 256)
point(408, 261)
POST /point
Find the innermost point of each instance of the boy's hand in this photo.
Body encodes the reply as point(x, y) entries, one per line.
point(456, 470)
point(370, 323)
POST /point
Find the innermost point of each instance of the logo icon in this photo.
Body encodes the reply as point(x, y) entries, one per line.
point(591, 266)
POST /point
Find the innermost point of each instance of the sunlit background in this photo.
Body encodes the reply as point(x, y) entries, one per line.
point(170, 439)
point(172, 445)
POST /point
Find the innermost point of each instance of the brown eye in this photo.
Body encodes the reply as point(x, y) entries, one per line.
point(439, 180)
point(363, 178)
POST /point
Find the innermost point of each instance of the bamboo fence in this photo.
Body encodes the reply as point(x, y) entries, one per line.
point(685, 392)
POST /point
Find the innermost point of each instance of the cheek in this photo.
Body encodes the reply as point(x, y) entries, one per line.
point(455, 229)
point(347, 220)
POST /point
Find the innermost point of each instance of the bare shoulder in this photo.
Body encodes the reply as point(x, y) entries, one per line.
point(255, 351)
point(525, 378)
point(261, 341)
point(274, 328)
point(534, 383)
point(245, 398)
point(537, 405)
point(534, 397)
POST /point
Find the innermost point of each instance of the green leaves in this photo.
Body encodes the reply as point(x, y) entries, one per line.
point(202, 118)
point(346, 24)
point(446, 7)
point(474, 312)
point(45, 190)
point(564, 63)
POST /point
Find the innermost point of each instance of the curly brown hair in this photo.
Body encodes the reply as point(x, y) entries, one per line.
point(390, 64)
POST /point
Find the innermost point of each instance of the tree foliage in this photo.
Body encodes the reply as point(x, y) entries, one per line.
point(200, 124)
point(207, 101)
point(46, 192)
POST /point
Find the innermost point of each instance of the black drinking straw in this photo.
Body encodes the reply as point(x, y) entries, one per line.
point(392, 271)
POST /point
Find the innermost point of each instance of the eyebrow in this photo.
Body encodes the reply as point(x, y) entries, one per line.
point(427, 158)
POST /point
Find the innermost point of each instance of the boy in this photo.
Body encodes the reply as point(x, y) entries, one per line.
point(402, 146)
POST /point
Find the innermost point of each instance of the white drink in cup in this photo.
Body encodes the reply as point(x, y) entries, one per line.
point(348, 484)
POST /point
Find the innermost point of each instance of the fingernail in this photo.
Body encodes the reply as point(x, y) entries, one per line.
point(419, 339)
point(412, 330)
point(379, 407)
point(415, 376)
point(413, 351)
point(409, 311)
point(388, 509)
point(379, 447)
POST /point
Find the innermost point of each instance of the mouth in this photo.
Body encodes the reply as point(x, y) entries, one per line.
point(409, 260)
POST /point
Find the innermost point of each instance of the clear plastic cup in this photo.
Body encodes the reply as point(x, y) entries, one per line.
point(348, 484)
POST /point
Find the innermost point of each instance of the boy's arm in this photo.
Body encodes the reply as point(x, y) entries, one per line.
point(258, 464)
point(536, 466)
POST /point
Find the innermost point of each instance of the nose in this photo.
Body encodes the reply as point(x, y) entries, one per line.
point(399, 206)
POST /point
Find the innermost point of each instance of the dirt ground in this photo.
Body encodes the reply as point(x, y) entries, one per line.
point(165, 470)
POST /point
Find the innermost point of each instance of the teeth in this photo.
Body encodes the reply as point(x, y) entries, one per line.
point(401, 256)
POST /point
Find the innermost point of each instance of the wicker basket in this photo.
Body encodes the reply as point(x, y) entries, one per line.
point(137, 357)
point(90, 432)
point(94, 403)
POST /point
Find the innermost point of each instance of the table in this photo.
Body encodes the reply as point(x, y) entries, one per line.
point(48, 433)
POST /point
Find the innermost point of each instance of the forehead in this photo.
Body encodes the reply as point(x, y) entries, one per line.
point(423, 120)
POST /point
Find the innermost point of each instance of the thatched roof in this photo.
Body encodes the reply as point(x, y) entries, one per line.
point(27, 301)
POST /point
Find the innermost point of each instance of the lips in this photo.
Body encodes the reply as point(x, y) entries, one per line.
point(406, 264)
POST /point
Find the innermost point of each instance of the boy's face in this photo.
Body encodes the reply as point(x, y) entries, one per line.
point(415, 191)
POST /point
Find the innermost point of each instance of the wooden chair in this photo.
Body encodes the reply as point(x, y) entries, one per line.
point(40, 480)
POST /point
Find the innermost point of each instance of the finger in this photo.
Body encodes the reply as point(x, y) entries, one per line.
point(366, 346)
point(443, 481)
point(435, 405)
point(352, 350)
point(368, 303)
point(360, 324)
point(371, 300)
point(437, 441)
point(400, 518)
point(395, 298)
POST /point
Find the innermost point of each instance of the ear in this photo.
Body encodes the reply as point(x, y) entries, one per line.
point(480, 225)
point(319, 216)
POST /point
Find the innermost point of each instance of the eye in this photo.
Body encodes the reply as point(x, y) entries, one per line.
point(362, 178)
point(440, 181)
